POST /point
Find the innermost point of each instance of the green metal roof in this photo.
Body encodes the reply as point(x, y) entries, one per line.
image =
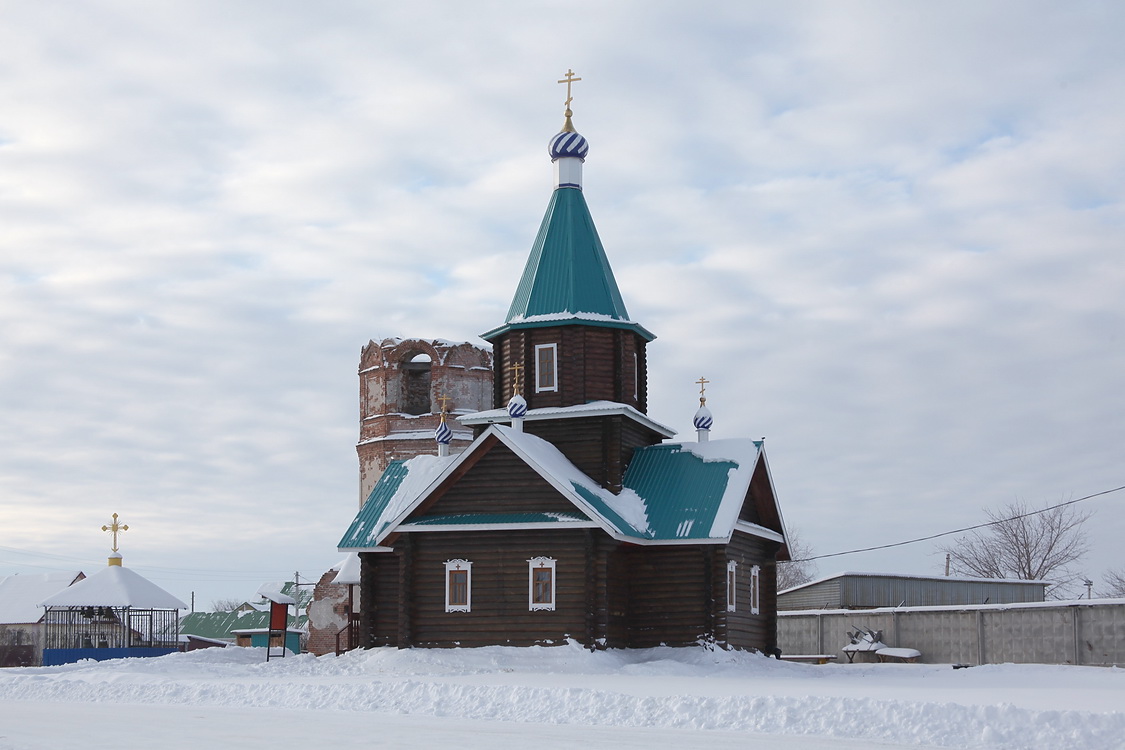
point(682, 491)
point(218, 625)
point(567, 279)
point(672, 492)
point(369, 521)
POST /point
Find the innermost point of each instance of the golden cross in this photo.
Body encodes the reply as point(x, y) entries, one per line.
point(115, 527)
point(702, 389)
point(516, 384)
point(443, 399)
point(568, 81)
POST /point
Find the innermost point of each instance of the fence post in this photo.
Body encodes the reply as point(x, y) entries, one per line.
point(980, 637)
point(1074, 624)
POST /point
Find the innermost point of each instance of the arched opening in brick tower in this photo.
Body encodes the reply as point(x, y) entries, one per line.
point(416, 383)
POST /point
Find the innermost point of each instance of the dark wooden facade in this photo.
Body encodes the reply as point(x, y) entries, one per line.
point(609, 594)
point(594, 364)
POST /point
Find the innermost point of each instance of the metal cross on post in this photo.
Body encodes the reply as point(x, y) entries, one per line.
point(115, 527)
point(517, 385)
point(444, 400)
point(702, 389)
point(568, 81)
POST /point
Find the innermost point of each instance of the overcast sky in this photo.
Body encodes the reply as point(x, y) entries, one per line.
point(889, 233)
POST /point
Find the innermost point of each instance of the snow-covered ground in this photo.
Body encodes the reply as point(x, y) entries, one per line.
point(559, 697)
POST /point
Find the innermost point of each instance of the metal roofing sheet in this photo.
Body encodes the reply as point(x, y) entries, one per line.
point(682, 491)
point(567, 278)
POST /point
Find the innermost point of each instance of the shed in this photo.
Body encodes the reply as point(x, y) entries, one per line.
point(869, 590)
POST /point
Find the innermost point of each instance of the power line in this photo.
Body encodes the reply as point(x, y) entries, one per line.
point(960, 531)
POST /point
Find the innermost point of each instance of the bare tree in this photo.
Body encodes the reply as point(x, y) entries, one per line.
point(1024, 543)
point(801, 570)
point(226, 605)
point(1115, 583)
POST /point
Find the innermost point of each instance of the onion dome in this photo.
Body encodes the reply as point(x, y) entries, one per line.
point(702, 419)
point(568, 143)
point(517, 407)
point(443, 435)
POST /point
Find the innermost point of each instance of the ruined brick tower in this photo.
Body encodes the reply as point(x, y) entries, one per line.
point(401, 384)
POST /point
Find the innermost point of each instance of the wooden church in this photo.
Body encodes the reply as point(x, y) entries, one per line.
point(571, 516)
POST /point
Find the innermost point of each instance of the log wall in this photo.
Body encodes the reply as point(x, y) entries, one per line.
point(500, 482)
point(742, 629)
point(500, 612)
point(595, 363)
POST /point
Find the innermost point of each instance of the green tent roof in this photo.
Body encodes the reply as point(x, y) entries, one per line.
point(567, 279)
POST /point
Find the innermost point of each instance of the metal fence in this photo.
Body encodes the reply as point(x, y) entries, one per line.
point(1088, 632)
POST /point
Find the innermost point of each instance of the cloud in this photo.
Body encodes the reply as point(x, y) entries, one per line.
point(889, 235)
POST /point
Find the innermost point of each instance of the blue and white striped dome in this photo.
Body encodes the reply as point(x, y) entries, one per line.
point(703, 419)
point(443, 435)
point(568, 143)
point(517, 407)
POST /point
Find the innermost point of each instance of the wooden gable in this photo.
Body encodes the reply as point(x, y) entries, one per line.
point(495, 481)
point(760, 506)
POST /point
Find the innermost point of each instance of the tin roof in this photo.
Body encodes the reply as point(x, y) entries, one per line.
point(686, 493)
point(675, 493)
point(221, 625)
point(567, 278)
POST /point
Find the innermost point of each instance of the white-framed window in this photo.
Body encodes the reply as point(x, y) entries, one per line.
point(541, 583)
point(458, 586)
point(755, 589)
point(546, 367)
point(732, 585)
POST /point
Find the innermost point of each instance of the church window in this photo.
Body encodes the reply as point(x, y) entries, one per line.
point(755, 589)
point(458, 585)
point(546, 367)
point(416, 385)
point(541, 583)
point(732, 589)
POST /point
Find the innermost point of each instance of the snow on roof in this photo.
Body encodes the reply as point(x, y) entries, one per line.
point(594, 408)
point(415, 435)
point(916, 577)
point(347, 571)
point(673, 491)
point(272, 591)
point(627, 512)
point(693, 490)
point(399, 486)
point(744, 454)
point(20, 595)
point(115, 586)
point(568, 315)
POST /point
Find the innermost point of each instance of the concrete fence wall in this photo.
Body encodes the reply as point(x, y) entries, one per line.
point(1086, 632)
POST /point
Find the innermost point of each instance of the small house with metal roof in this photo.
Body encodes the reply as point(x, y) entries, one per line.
point(569, 516)
point(852, 590)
